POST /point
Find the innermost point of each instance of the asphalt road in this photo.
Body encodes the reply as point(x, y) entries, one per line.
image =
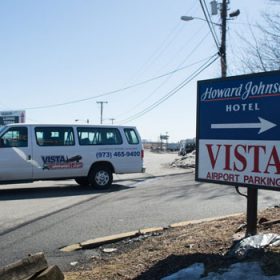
point(54, 215)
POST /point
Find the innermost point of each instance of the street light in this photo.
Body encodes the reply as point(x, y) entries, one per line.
point(189, 18)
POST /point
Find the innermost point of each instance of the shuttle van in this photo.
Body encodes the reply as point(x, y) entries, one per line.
point(90, 154)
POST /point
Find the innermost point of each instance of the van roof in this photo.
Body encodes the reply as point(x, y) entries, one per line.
point(66, 124)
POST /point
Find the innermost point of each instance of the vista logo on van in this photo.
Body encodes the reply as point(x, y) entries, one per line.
point(61, 162)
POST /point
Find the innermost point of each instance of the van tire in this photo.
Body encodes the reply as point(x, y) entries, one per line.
point(82, 181)
point(100, 177)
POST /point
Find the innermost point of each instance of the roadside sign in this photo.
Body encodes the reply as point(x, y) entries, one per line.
point(238, 130)
point(7, 117)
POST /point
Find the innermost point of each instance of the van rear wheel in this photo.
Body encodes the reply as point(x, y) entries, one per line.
point(100, 177)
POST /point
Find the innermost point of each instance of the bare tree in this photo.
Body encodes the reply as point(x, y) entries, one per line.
point(263, 52)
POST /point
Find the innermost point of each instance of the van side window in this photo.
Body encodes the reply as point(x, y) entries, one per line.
point(99, 136)
point(54, 136)
point(131, 136)
point(15, 137)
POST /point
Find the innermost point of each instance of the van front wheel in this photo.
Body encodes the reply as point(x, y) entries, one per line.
point(100, 177)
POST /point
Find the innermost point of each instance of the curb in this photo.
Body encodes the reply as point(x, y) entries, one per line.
point(93, 243)
point(182, 224)
point(96, 242)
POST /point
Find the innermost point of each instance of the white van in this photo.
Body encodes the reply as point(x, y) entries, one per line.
point(90, 154)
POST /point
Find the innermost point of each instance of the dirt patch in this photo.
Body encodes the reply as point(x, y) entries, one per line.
point(160, 254)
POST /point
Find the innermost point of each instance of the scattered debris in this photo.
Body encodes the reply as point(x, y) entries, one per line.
point(262, 220)
point(73, 263)
point(241, 227)
point(109, 250)
point(269, 223)
point(190, 246)
point(238, 236)
point(241, 249)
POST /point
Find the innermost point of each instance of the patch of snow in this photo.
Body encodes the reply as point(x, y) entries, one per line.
point(187, 161)
point(244, 271)
point(241, 249)
point(192, 272)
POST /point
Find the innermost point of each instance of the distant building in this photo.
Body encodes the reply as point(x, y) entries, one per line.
point(186, 146)
point(8, 117)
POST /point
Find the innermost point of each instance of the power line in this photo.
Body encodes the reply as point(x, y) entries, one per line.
point(168, 40)
point(159, 51)
point(169, 94)
point(210, 21)
point(109, 92)
point(162, 48)
point(168, 77)
point(210, 27)
point(174, 91)
point(186, 45)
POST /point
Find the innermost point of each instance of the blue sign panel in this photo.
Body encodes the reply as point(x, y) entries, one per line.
point(238, 130)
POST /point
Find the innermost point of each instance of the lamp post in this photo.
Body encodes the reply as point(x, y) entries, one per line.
point(189, 18)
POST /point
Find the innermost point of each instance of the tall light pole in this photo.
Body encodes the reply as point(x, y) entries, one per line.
point(101, 109)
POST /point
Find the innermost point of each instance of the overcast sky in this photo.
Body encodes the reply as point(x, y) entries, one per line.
point(55, 53)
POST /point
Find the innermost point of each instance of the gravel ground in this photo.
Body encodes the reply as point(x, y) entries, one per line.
point(163, 253)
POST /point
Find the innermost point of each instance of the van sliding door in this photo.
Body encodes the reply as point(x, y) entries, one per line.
point(55, 153)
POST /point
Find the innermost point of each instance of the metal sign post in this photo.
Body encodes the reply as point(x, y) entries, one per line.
point(252, 211)
point(238, 134)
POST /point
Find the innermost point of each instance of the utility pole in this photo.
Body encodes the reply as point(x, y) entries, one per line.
point(222, 51)
point(112, 120)
point(224, 17)
point(101, 109)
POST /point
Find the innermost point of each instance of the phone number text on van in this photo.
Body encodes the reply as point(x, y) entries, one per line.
point(117, 154)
